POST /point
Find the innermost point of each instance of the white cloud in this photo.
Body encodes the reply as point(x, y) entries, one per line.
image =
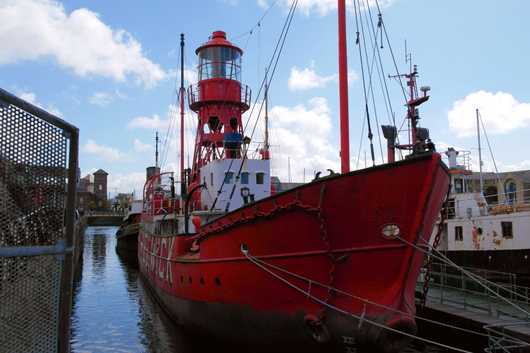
point(190, 76)
point(352, 76)
point(78, 40)
point(105, 98)
point(139, 146)
point(154, 122)
point(149, 122)
point(31, 97)
point(322, 7)
point(303, 134)
point(109, 154)
point(500, 112)
point(307, 78)
point(127, 183)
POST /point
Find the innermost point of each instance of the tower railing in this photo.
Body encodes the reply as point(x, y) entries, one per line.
point(197, 95)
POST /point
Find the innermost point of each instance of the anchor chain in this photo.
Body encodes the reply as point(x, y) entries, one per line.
point(255, 214)
point(327, 244)
point(436, 242)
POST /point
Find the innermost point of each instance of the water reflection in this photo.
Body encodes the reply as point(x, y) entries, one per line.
point(114, 311)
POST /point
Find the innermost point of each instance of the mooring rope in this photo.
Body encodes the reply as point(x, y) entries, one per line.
point(361, 318)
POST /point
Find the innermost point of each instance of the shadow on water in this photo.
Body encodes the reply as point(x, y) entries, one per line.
point(115, 312)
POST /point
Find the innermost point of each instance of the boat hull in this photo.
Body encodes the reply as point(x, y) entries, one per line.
point(316, 270)
point(127, 239)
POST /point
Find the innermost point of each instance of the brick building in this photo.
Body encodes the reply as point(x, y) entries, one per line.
point(100, 184)
point(92, 191)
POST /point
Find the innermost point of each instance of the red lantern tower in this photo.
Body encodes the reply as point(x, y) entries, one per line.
point(219, 99)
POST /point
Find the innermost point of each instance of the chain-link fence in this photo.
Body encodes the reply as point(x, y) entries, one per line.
point(38, 175)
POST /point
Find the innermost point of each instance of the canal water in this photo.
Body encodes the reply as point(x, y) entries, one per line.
point(114, 312)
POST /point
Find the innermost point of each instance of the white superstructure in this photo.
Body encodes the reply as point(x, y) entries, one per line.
point(220, 177)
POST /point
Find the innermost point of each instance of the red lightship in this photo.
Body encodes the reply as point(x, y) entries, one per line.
point(322, 266)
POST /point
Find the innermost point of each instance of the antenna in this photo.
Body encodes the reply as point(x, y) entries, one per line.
point(479, 154)
point(408, 56)
point(156, 149)
point(289, 168)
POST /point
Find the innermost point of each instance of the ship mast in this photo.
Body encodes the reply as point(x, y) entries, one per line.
point(343, 90)
point(265, 152)
point(181, 93)
point(480, 154)
point(266, 143)
point(156, 151)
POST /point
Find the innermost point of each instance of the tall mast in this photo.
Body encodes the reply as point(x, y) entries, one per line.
point(156, 150)
point(480, 154)
point(266, 143)
point(181, 93)
point(343, 90)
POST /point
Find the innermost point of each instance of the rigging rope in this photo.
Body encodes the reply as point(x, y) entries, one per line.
point(391, 51)
point(489, 148)
point(289, 21)
point(169, 132)
point(276, 55)
point(380, 69)
point(370, 75)
point(358, 43)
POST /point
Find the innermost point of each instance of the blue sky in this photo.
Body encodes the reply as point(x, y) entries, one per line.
point(108, 67)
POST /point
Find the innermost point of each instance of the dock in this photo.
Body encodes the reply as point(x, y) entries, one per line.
point(498, 310)
point(103, 219)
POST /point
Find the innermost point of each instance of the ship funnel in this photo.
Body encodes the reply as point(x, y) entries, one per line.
point(451, 155)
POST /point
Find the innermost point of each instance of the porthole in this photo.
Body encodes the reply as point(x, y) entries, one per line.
point(390, 231)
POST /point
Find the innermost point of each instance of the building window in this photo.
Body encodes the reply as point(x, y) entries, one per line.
point(229, 176)
point(244, 178)
point(211, 179)
point(459, 233)
point(491, 195)
point(526, 193)
point(507, 230)
point(100, 187)
point(260, 177)
point(510, 189)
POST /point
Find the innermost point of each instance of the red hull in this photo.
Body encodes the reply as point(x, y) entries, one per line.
point(329, 231)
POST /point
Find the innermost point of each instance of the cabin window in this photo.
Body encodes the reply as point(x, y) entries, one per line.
point(229, 176)
point(450, 206)
point(244, 178)
point(459, 186)
point(459, 233)
point(507, 230)
point(260, 178)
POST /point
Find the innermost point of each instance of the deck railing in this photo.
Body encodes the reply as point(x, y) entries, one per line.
point(449, 286)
